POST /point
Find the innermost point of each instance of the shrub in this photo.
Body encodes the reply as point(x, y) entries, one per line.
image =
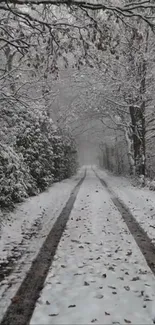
point(15, 180)
point(38, 155)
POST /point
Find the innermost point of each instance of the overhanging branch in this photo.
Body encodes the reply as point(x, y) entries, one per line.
point(131, 10)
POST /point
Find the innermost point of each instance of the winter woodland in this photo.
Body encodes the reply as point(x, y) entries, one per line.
point(77, 82)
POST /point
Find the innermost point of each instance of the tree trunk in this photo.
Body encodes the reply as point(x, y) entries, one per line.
point(137, 115)
point(130, 151)
point(138, 103)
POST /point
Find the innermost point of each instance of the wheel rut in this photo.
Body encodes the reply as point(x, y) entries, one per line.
point(143, 241)
point(23, 303)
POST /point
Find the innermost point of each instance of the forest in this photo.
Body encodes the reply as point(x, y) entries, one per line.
point(69, 68)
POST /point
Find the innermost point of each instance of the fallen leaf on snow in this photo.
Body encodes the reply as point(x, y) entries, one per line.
point(147, 299)
point(81, 266)
point(121, 278)
point(47, 302)
point(127, 288)
point(129, 253)
point(111, 287)
point(99, 296)
point(127, 321)
point(93, 320)
point(75, 241)
point(135, 278)
point(117, 259)
point(117, 249)
point(143, 271)
point(53, 315)
point(104, 275)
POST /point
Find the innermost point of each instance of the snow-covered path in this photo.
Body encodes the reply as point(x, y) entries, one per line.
point(23, 232)
point(140, 201)
point(99, 274)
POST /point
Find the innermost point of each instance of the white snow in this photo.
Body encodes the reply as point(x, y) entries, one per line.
point(140, 201)
point(99, 274)
point(23, 232)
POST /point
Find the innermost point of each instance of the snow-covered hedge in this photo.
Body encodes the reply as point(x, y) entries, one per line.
point(16, 182)
point(39, 154)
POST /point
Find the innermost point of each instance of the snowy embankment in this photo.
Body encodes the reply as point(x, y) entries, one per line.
point(99, 274)
point(23, 232)
point(140, 201)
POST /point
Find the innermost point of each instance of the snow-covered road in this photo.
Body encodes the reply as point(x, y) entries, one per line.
point(140, 201)
point(23, 232)
point(99, 274)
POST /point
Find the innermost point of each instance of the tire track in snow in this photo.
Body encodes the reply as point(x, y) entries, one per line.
point(8, 266)
point(143, 241)
point(21, 308)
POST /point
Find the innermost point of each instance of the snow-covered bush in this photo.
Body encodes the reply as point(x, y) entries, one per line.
point(65, 155)
point(33, 154)
point(15, 180)
point(47, 151)
point(70, 157)
point(37, 151)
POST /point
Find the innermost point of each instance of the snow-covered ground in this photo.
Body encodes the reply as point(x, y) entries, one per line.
point(23, 232)
point(140, 201)
point(99, 274)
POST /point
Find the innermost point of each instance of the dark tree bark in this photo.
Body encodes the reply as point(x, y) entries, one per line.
point(138, 128)
point(137, 109)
